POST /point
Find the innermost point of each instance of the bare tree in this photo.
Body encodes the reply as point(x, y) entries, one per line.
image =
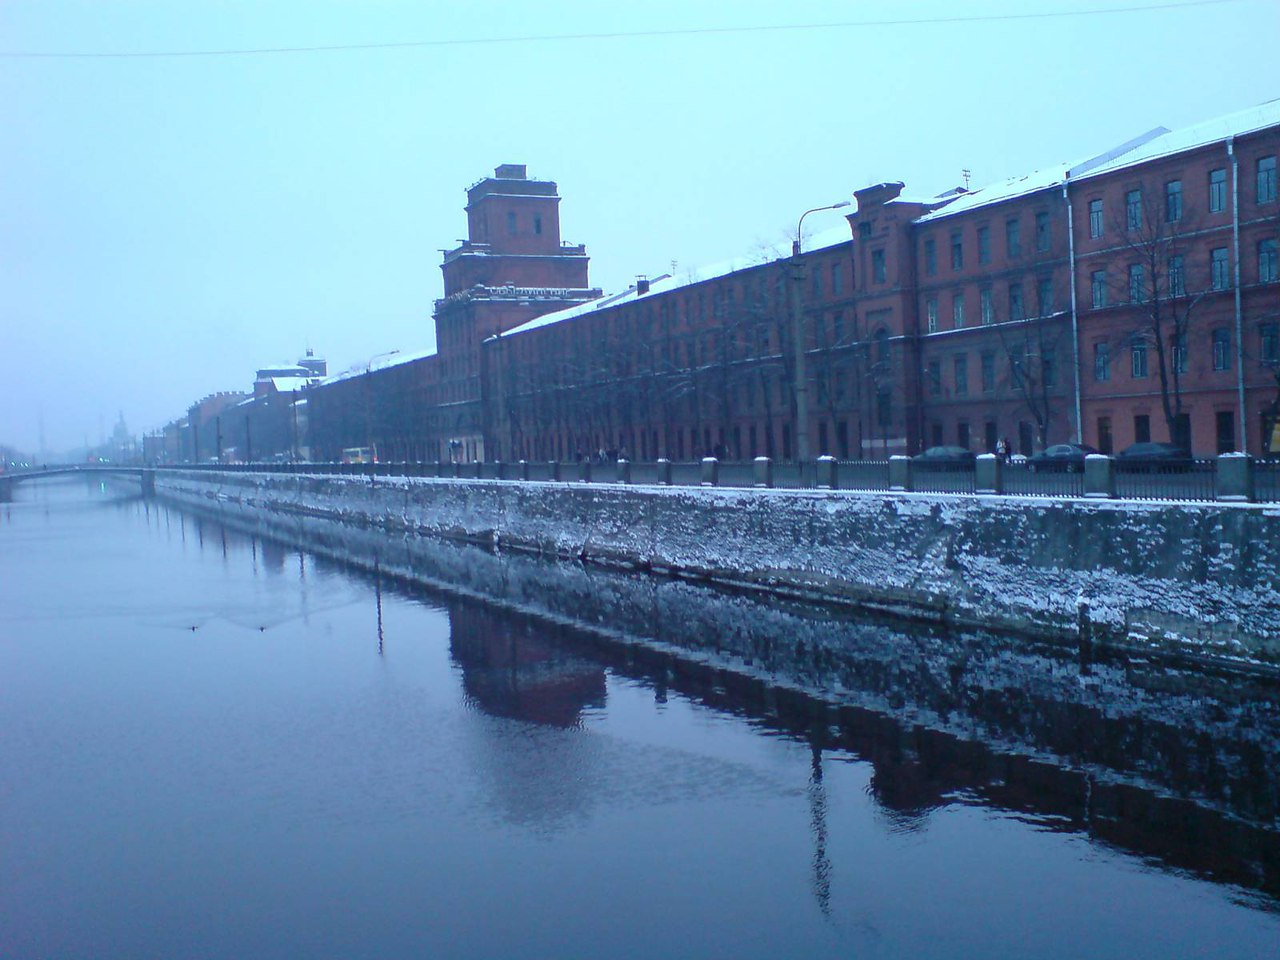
point(1164, 297)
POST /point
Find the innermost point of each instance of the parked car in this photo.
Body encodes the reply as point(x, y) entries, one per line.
point(1152, 456)
point(1063, 457)
point(944, 458)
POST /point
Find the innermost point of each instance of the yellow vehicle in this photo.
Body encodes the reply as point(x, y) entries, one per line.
point(359, 455)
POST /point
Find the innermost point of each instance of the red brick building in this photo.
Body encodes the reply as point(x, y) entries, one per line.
point(512, 266)
point(1132, 295)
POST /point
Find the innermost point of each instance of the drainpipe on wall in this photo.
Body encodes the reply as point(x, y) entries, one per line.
point(1075, 318)
point(1242, 441)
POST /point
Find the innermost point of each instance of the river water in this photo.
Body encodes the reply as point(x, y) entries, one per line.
point(215, 745)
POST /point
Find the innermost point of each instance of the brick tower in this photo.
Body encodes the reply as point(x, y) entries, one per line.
point(511, 268)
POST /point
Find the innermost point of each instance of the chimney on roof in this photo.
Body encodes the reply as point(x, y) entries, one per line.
point(642, 285)
point(511, 171)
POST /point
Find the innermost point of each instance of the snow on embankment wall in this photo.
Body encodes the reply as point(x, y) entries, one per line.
point(1198, 577)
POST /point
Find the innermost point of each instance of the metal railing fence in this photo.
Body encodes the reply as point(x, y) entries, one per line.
point(1188, 481)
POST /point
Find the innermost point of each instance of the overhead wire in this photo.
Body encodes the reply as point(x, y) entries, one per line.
point(608, 35)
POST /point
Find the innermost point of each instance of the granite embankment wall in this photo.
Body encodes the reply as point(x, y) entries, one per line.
point(1198, 578)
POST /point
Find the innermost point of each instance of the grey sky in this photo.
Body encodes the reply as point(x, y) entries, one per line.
point(171, 224)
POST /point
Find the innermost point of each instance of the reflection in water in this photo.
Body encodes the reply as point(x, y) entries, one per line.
point(818, 824)
point(516, 670)
point(1172, 764)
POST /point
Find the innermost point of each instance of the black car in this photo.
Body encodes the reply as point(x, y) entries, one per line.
point(1065, 457)
point(944, 458)
point(1152, 456)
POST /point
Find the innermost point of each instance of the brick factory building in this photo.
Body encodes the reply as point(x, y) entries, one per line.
point(512, 266)
point(1130, 295)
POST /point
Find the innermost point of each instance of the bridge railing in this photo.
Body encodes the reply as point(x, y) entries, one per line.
point(1231, 477)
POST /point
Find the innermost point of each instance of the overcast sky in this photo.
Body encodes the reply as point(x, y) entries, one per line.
point(169, 224)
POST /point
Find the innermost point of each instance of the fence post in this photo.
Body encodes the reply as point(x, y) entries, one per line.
point(584, 471)
point(553, 469)
point(524, 469)
point(624, 471)
point(762, 472)
point(710, 472)
point(1233, 478)
point(988, 474)
point(900, 473)
point(1099, 476)
point(827, 473)
point(664, 471)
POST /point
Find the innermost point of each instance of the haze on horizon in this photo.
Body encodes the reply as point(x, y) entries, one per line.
point(172, 223)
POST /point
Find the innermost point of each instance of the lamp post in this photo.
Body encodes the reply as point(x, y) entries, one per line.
point(798, 336)
point(369, 401)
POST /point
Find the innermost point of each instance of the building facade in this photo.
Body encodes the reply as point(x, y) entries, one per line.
point(1132, 295)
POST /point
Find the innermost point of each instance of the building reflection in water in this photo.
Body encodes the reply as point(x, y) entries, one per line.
point(516, 670)
point(1172, 764)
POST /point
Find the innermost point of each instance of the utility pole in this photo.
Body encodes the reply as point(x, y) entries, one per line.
point(796, 270)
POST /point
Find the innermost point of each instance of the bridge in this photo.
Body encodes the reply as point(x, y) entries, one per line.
point(10, 478)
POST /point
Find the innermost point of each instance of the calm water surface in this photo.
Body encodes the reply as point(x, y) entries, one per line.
point(214, 746)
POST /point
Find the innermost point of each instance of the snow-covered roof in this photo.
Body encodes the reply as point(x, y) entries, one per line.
point(381, 361)
point(1156, 143)
point(686, 277)
point(290, 384)
point(1217, 130)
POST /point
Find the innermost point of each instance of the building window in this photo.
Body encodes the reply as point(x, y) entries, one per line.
point(957, 311)
point(1044, 296)
point(1266, 179)
point(1049, 366)
point(1137, 283)
point(1178, 352)
point(931, 315)
point(957, 251)
point(1099, 288)
point(1220, 278)
point(988, 310)
point(511, 223)
point(1217, 190)
point(935, 378)
point(1221, 349)
point(837, 280)
point(1177, 277)
point(1268, 261)
point(877, 266)
point(882, 346)
point(1102, 362)
point(537, 224)
point(988, 372)
point(1141, 428)
point(930, 257)
point(1269, 345)
point(1016, 311)
point(1095, 218)
point(1013, 237)
point(1133, 210)
point(1138, 359)
point(1173, 201)
point(984, 244)
point(962, 376)
point(816, 278)
point(1042, 231)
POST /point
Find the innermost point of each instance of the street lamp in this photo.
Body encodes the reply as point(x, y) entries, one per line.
point(798, 336)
